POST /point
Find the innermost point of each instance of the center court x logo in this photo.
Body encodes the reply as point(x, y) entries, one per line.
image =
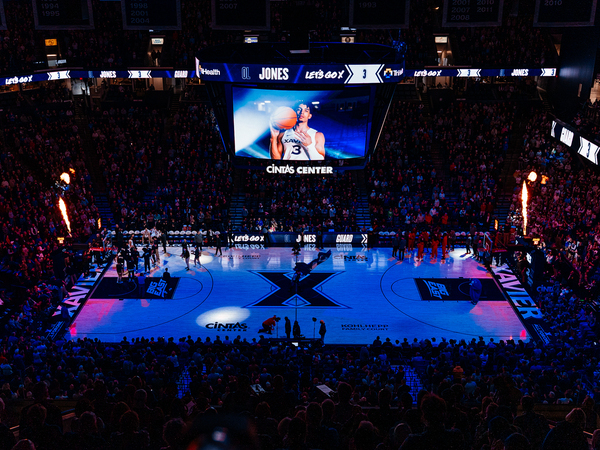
point(283, 291)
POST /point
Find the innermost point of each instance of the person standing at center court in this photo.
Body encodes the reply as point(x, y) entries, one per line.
point(395, 245)
point(435, 242)
point(218, 244)
point(120, 262)
point(452, 240)
point(420, 248)
point(402, 247)
point(444, 245)
point(288, 327)
point(411, 241)
point(425, 235)
point(146, 257)
point(152, 253)
point(322, 331)
point(163, 240)
point(197, 254)
point(185, 254)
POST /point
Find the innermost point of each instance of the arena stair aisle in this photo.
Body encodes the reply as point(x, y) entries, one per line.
point(363, 213)
point(183, 384)
point(174, 104)
point(545, 100)
point(413, 380)
point(92, 161)
point(238, 199)
point(511, 163)
point(106, 215)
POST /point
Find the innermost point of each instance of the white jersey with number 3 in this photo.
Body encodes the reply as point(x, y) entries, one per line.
point(293, 149)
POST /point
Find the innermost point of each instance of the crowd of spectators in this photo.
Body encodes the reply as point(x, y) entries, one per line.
point(300, 203)
point(41, 141)
point(195, 181)
point(401, 180)
point(563, 207)
point(474, 138)
point(129, 390)
point(587, 121)
point(514, 44)
point(406, 191)
point(562, 211)
point(127, 141)
point(176, 172)
point(19, 42)
point(170, 172)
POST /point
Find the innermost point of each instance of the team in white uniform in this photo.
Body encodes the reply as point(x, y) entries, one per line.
point(300, 143)
point(293, 148)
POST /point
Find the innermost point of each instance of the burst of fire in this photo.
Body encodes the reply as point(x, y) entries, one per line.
point(524, 198)
point(99, 223)
point(63, 210)
point(65, 177)
point(72, 171)
point(532, 177)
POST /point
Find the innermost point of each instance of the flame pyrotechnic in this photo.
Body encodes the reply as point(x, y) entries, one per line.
point(524, 198)
point(532, 177)
point(63, 211)
point(65, 177)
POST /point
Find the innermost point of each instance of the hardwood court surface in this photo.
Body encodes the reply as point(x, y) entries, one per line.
point(360, 294)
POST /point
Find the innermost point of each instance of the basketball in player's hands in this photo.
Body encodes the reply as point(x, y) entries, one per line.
point(283, 118)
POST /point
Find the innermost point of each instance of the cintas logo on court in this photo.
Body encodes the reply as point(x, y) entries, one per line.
point(227, 326)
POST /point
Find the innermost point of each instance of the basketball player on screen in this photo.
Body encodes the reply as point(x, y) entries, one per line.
point(299, 143)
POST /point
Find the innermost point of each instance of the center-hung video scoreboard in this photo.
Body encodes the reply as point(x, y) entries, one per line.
point(332, 111)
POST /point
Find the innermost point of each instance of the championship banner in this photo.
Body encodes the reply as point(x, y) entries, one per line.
point(457, 289)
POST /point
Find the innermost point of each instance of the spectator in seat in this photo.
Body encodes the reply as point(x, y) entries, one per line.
point(40, 432)
point(568, 434)
point(52, 415)
point(130, 437)
point(533, 426)
point(318, 435)
point(435, 435)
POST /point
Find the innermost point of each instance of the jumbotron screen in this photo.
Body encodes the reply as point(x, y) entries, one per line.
point(301, 125)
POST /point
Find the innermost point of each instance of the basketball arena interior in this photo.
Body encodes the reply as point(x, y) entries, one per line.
point(299, 224)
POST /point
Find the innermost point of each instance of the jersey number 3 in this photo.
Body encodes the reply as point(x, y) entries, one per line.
point(296, 150)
